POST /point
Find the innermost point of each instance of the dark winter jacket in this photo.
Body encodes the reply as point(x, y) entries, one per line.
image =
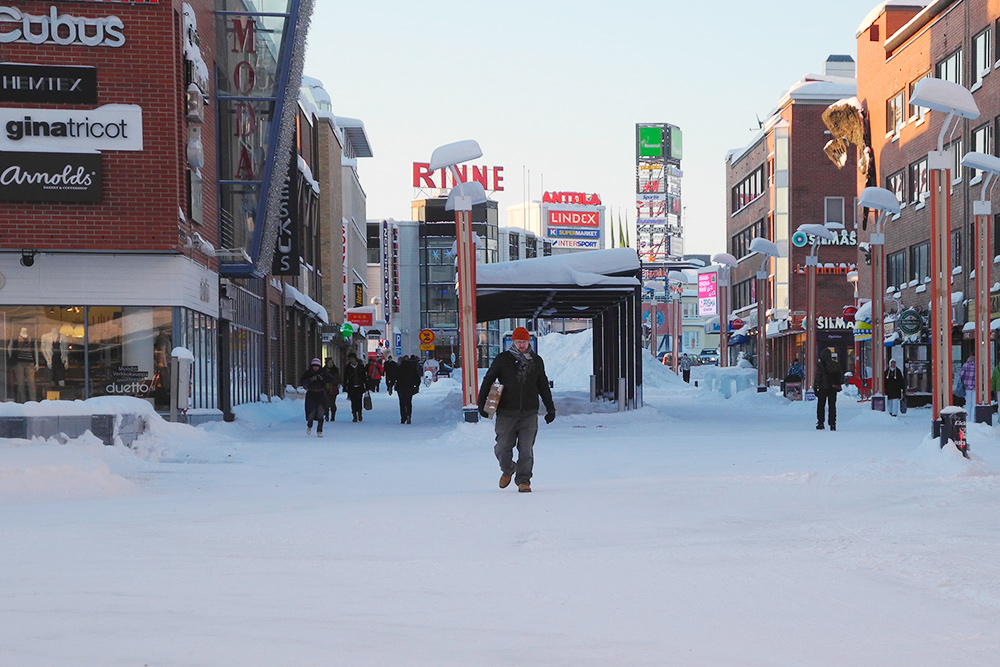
point(895, 383)
point(315, 380)
point(829, 377)
point(391, 368)
point(523, 382)
point(333, 387)
point(408, 376)
point(355, 378)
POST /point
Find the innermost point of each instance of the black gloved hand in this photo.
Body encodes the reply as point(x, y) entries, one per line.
point(550, 417)
point(482, 413)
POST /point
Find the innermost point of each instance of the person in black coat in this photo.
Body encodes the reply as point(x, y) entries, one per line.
point(895, 386)
point(314, 381)
point(355, 384)
point(522, 374)
point(407, 383)
point(828, 381)
point(390, 369)
point(332, 389)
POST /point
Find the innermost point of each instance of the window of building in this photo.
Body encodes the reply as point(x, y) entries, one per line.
point(748, 189)
point(950, 69)
point(981, 54)
point(957, 170)
point(691, 342)
point(741, 240)
point(689, 310)
point(531, 247)
point(833, 210)
point(895, 269)
point(513, 247)
point(896, 184)
point(743, 294)
point(895, 118)
point(920, 261)
point(918, 187)
point(982, 141)
point(374, 243)
point(917, 113)
point(996, 234)
point(956, 248)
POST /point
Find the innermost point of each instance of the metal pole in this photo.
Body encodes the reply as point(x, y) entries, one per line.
point(984, 214)
point(877, 241)
point(724, 316)
point(812, 263)
point(761, 333)
point(678, 325)
point(939, 165)
point(467, 308)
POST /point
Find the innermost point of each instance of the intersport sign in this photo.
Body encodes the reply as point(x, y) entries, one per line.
point(114, 127)
point(62, 29)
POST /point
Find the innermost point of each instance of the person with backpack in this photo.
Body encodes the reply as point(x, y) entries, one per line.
point(314, 381)
point(828, 381)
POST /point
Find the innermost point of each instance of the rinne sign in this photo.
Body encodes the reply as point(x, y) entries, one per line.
point(109, 127)
point(491, 178)
point(50, 177)
point(62, 29)
point(571, 198)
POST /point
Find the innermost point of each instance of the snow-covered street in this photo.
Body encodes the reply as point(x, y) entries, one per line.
point(695, 531)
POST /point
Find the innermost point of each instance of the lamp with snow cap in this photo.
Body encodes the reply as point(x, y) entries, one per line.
point(767, 249)
point(956, 103)
point(726, 262)
point(813, 234)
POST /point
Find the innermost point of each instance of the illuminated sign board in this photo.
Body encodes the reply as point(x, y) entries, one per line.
point(708, 294)
point(114, 127)
point(62, 29)
point(571, 198)
point(574, 218)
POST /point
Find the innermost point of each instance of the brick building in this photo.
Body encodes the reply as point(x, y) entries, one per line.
point(781, 180)
point(145, 149)
point(899, 44)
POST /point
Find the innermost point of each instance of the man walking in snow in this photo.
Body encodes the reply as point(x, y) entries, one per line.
point(685, 367)
point(314, 380)
point(522, 374)
point(827, 383)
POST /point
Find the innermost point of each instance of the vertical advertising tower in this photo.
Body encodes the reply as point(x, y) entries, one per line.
point(658, 152)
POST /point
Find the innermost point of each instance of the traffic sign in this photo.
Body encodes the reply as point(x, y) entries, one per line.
point(427, 348)
point(426, 337)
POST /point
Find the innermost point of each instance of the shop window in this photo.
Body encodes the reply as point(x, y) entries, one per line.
point(129, 352)
point(44, 353)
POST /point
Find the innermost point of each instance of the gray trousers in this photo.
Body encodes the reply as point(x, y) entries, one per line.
point(516, 428)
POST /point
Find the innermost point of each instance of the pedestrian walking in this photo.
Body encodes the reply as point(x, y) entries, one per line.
point(314, 381)
point(332, 389)
point(796, 371)
point(407, 383)
point(355, 385)
point(685, 366)
point(965, 384)
point(895, 387)
point(826, 384)
point(375, 374)
point(522, 374)
point(389, 371)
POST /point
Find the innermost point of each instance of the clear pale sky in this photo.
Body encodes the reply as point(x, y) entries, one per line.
point(556, 87)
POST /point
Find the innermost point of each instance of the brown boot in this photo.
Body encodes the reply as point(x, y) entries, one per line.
point(524, 488)
point(505, 480)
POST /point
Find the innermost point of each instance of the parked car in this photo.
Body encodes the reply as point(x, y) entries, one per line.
point(709, 356)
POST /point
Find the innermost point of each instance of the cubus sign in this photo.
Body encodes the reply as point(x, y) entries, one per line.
point(491, 178)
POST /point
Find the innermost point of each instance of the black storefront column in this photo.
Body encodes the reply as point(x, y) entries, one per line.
point(225, 373)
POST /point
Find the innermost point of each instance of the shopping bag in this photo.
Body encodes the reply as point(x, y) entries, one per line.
point(367, 401)
point(493, 399)
point(902, 404)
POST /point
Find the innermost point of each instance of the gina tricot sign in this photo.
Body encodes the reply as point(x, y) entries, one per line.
point(115, 127)
point(62, 29)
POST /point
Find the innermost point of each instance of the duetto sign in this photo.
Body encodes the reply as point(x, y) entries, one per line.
point(115, 127)
point(62, 29)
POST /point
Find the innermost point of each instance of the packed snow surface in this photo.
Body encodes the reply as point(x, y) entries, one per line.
point(698, 530)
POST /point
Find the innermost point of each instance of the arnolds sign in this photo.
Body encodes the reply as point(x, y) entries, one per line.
point(50, 177)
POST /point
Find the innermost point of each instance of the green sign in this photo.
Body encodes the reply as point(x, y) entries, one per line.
point(910, 322)
point(676, 143)
point(650, 142)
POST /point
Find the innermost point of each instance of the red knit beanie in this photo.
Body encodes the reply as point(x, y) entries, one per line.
point(521, 333)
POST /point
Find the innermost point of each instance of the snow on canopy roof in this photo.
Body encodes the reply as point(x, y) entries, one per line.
point(585, 269)
point(293, 296)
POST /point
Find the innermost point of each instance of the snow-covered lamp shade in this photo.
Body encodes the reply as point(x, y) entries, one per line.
point(725, 258)
point(455, 153)
point(982, 162)
point(679, 276)
point(944, 96)
point(763, 247)
point(879, 199)
point(819, 231)
point(472, 190)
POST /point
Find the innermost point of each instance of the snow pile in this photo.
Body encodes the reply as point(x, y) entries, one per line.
point(727, 381)
point(569, 359)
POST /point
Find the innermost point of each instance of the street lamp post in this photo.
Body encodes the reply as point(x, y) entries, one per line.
point(983, 210)
point(818, 232)
point(726, 262)
point(885, 202)
point(461, 200)
point(768, 250)
point(957, 103)
point(676, 281)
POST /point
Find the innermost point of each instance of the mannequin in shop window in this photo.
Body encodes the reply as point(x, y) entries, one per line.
point(54, 349)
point(24, 360)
